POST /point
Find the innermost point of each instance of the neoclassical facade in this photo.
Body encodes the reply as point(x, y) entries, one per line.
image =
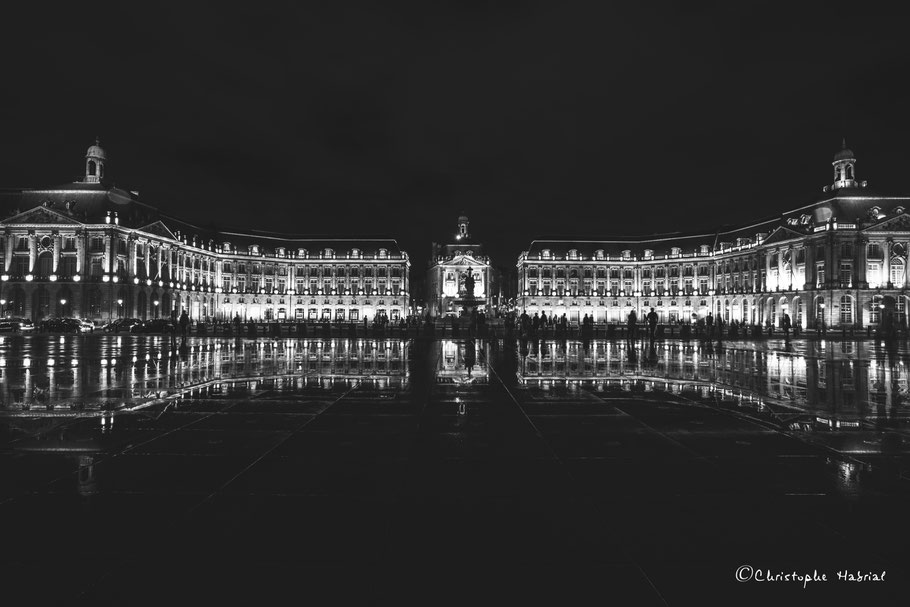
point(450, 265)
point(839, 261)
point(90, 250)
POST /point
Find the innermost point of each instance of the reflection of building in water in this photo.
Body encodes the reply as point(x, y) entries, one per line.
point(462, 362)
point(855, 380)
point(111, 374)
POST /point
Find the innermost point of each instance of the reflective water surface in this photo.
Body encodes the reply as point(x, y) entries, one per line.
point(384, 455)
point(841, 383)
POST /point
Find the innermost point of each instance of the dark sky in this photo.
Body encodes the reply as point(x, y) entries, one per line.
point(534, 119)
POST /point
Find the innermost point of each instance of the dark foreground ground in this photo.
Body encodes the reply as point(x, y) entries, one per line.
point(363, 492)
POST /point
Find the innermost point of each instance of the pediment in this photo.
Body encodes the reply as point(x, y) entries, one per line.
point(782, 234)
point(465, 260)
point(41, 216)
point(898, 223)
point(158, 229)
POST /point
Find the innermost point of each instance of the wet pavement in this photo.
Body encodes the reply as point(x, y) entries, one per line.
point(220, 471)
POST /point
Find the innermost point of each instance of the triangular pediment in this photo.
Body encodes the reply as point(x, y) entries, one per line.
point(781, 234)
point(898, 223)
point(158, 229)
point(41, 216)
point(465, 260)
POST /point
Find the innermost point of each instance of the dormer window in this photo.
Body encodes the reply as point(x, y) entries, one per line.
point(545, 254)
point(355, 253)
point(573, 254)
point(329, 253)
point(627, 254)
point(279, 252)
point(675, 251)
point(649, 253)
point(383, 253)
point(703, 249)
point(254, 249)
point(599, 254)
point(303, 253)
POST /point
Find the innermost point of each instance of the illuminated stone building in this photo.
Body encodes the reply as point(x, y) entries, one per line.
point(840, 260)
point(92, 250)
point(450, 264)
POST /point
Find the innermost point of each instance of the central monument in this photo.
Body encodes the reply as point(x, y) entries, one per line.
point(459, 277)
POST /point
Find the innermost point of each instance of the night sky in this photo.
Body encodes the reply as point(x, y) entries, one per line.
point(534, 119)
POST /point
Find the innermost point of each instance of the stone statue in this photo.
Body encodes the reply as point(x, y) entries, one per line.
point(469, 284)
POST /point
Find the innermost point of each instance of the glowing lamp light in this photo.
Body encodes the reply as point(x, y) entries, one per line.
point(148, 282)
point(4, 277)
point(105, 278)
point(52, 278)
point(62, 302)
point(115, 278)
point(77, 278)
point(29, 277)
point(160, 283)
point(135, 280)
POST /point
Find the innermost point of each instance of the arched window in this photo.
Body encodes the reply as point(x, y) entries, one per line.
point(849, 171)
point(92, 169)
point(837, 174)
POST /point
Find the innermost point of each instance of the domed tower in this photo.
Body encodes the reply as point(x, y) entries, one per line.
point(463, 232)
point(94, 163)
point(844, 168)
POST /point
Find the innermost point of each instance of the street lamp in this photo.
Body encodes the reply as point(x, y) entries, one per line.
point(156, 302)
point(119, 308)
point(2, 307)
point(63, 307)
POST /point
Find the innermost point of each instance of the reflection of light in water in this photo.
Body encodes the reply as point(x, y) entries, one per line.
point(2, 361)
point(26, 362)
point(50, 362)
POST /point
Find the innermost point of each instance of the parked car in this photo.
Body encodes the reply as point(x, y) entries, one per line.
point(121, 324)
point(62, 325)
point(156, 325)
point(16, 325)
point(86, 326)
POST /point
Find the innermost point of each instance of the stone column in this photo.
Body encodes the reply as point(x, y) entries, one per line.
point(80, 253)
point(886, 263)
point(862, 281)
point(810, 276)
point(148, 259)
point(132, 257)
point(767, 285)
point(8, 261)
point(108, 249)
point(907, 266)
point(56, 253)
point(32, 251)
